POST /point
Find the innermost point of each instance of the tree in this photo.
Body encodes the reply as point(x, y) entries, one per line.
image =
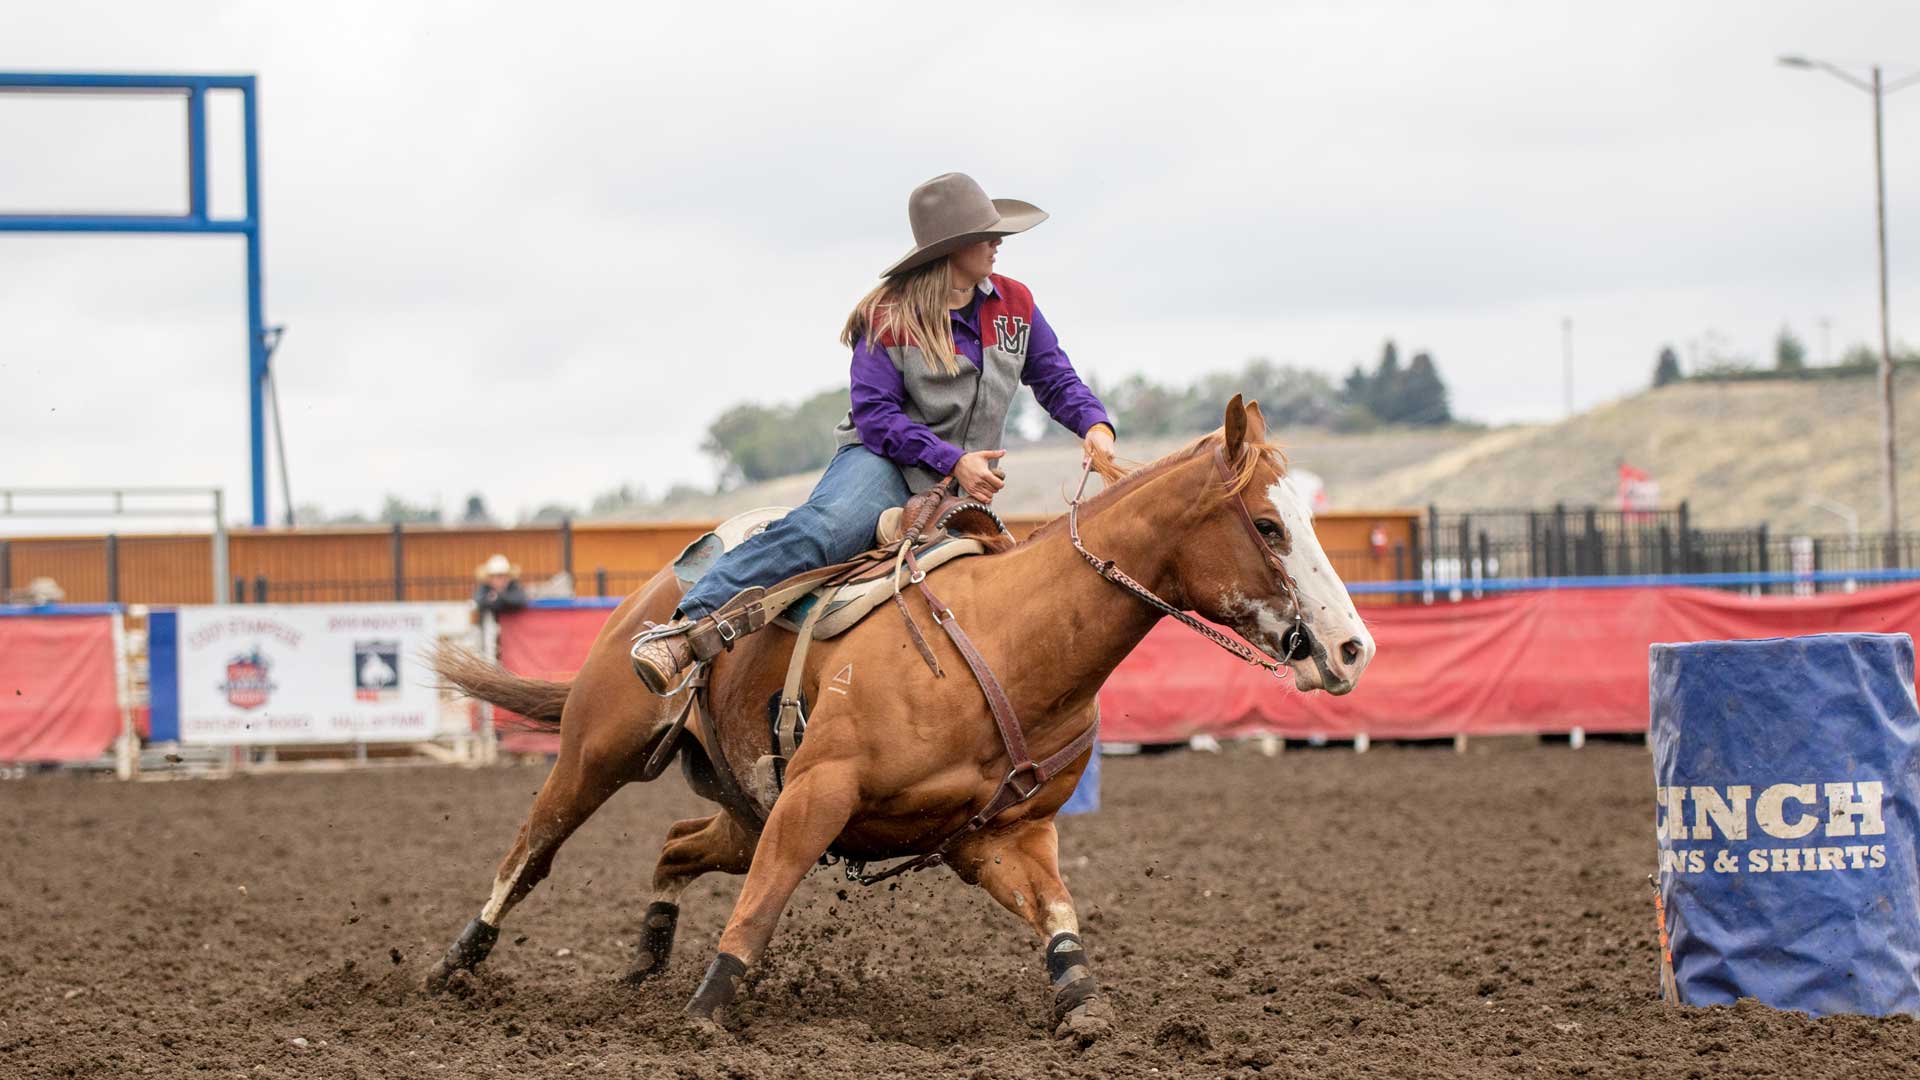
point(758, 442)
point(1412, 395)
point(1667, 370)
point(398, 511)
point(1383, 389)
point(1288, 396)
point(1141, 406)
point(1423, 397)
point(1353, 389)
point(616, 500)
point(476, 512)
point(1789, 353)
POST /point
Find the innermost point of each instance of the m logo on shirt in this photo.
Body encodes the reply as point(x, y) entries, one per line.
point(1011, 331)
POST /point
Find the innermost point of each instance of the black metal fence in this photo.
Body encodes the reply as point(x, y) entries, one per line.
point(1460, 548)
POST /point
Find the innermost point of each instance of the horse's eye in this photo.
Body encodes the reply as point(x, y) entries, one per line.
point(1269, 529)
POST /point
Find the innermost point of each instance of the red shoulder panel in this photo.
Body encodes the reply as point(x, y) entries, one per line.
point(1014, 298)
point(1006, 315)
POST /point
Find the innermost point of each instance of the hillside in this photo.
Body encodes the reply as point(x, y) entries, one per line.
point(1041, 476)
point(1740, 453)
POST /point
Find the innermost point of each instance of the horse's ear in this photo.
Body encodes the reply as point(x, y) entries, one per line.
point(1236, 428)
point(1256, 423)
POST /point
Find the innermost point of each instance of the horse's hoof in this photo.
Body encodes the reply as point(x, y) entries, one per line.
point(447, 979)
point(642, 970)
point(656, 945)
point(1086, 1021)
point(438, 978)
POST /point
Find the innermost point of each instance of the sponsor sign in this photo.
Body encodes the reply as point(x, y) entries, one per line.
point(1841, 826)
point(308, 673)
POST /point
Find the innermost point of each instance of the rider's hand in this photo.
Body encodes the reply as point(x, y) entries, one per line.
point(974, 473)
point(1099, 442)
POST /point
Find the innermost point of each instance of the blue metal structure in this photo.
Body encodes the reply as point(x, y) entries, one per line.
point(196, 220)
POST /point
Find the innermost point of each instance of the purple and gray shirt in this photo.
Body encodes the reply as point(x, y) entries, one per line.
point(923, 419)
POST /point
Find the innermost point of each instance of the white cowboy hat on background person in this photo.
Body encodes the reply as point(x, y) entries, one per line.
point(951, 211)
point(497, 565)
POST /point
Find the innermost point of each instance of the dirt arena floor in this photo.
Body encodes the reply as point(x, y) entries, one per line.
point(1402, 913)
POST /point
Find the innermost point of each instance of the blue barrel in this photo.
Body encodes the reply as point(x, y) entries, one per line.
point(1785, 791)
point(1086, 794)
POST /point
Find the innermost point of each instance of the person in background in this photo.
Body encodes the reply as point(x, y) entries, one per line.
point(499, 589)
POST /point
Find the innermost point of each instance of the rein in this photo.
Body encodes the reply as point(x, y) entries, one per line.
point(1296, 638)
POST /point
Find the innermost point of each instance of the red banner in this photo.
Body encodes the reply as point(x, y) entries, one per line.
point(544, 643)
point(59, 690)
point(1526, 663)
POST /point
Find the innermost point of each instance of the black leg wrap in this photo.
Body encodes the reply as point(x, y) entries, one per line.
point(472, 946)
point(1064, 952)
point(656, 939)
point(1067, 970)
point(717, 990)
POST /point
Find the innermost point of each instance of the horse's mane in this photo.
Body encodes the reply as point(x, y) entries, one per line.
point(1122, 478)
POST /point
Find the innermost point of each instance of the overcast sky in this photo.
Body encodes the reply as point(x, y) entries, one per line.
point(532, 250)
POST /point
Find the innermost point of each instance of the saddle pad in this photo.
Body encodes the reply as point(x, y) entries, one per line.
point(697, 558)
point(848, 604)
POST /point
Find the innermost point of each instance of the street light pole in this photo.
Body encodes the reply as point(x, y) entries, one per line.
point(1890, 492)
point(1566, 359)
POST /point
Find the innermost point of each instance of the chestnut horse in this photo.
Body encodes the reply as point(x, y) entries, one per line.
point(895, 759)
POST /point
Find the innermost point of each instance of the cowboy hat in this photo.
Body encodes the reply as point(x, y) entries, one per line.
point(951, 211)
point(498, 564)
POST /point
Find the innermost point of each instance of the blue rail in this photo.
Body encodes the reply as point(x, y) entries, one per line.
point(1507, 585)
point(79, 82)
point(1632, 581)
point(194, 88)
point(12, 611)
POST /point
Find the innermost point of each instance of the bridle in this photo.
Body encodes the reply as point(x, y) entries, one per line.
point(1297, 640)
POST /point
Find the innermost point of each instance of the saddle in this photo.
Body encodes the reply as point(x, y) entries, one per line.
point(934, 527)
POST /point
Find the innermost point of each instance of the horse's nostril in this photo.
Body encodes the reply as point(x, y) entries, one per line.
point(1350, 652)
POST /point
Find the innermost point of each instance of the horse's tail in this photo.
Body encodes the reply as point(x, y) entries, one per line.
point(538, 700)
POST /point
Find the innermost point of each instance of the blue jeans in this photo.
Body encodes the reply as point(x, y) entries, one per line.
point(833, 525)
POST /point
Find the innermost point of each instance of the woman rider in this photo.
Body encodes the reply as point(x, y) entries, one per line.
point(938, 347)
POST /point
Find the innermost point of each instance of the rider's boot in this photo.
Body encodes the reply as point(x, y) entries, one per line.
point(662, 654)
point(661, 661)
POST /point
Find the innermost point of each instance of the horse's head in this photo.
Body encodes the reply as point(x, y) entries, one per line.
point(1264, 574)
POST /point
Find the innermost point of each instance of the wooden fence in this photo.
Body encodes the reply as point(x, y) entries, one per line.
point(438, 563)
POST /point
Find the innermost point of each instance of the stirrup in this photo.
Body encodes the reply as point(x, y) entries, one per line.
point(656, 631)
point(695, 670)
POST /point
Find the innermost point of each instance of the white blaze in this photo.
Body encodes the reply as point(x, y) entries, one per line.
point(1324, 604)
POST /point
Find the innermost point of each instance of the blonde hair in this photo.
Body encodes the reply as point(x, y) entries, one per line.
point(911, 308)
